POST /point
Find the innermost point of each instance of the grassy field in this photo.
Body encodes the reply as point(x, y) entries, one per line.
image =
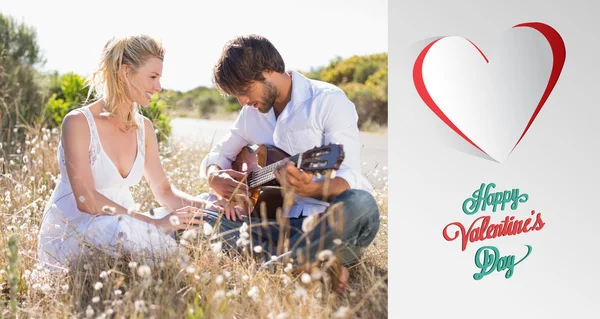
point(202, 283)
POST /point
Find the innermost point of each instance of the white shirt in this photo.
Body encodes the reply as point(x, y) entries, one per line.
point(318, 113)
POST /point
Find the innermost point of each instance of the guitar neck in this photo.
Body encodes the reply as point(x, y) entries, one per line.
point(267, 174)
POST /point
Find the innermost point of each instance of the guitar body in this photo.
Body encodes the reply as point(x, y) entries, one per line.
point(260, 161)
point(252, 158)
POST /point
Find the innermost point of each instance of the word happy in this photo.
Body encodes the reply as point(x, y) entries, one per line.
point(482, 198)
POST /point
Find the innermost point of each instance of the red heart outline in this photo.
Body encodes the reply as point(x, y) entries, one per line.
point(558, 52)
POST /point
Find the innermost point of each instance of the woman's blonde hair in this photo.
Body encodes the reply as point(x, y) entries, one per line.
point(107, 83)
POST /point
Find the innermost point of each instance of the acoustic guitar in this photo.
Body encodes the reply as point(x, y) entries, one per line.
point(262, 160)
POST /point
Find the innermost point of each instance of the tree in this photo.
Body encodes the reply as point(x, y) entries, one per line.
point(20, 97)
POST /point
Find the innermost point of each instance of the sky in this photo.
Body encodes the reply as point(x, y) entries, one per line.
point(308, 33)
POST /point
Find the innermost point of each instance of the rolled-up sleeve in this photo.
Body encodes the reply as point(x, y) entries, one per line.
point(340, 127)
point(227, 149)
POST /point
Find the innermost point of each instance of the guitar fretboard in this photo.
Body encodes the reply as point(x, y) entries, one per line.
point(267, 173)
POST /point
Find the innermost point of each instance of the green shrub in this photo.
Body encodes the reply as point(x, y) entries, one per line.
point(155, 112)
point(232, 104)
point(207, 105)
point(340, 71)
point(379, 78)
point(370, 102)
point(364, 70)
point(355, 69)
point(68, 92)
point(364, 79)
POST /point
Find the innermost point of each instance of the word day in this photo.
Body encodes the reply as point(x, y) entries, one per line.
point(488, 259)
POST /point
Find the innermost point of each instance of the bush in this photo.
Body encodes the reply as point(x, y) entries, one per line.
point(204, 100)
point(355, 69)
point(364, 79)
point(370, 102)
point(155, 112)
point(232, 104)
point(340, 71)
point(363, 71)
point(68, 92)
point(207, 105)
point(379, 79)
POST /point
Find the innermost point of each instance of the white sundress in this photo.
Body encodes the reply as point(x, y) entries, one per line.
point(66, 232)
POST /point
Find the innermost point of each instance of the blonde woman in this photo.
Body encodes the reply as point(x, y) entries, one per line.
point(107, 147)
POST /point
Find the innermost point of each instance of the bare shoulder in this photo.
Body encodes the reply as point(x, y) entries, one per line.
point(74, 121)
point(75, 132)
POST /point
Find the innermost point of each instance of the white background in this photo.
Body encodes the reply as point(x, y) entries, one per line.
point(556, 163)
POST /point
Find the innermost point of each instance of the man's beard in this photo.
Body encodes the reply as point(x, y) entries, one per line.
point(269, 97)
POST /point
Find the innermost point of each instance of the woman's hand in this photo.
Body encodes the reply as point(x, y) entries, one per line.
point(214, 206)
point(232, 212)
point(181, 219)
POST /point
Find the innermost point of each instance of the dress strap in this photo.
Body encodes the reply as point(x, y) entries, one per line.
point(141, 137)
point(94, 138)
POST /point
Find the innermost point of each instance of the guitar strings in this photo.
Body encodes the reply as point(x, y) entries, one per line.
point(266, 174)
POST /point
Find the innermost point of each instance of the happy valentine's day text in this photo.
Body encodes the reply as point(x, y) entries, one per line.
point(488, 258)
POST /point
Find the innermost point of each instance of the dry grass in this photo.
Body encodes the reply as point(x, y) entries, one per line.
point(200, 284)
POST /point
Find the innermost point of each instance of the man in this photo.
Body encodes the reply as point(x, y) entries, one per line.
point(295, 114)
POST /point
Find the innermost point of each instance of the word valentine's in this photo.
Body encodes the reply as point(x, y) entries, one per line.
point(481, 228)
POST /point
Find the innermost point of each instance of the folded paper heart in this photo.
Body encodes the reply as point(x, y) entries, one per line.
point(491, 103)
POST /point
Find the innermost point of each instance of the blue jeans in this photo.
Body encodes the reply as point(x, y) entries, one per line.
point(346, 229)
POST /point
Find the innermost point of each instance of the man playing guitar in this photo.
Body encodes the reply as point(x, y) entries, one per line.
point(293, 114)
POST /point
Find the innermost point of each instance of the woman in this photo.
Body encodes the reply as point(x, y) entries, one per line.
point(106, 147)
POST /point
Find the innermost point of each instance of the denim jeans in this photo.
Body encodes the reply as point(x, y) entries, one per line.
point(348, 226)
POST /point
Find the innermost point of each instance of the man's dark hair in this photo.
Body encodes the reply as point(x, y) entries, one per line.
point(243, 61)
